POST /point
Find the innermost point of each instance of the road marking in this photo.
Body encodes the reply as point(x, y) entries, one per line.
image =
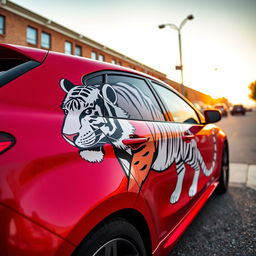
point(242, 174)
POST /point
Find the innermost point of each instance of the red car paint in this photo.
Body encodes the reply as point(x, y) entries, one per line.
point(51, 198)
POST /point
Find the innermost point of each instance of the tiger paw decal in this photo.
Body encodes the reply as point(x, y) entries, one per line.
point(86, 128)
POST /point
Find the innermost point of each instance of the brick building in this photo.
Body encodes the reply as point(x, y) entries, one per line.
point(23, 27)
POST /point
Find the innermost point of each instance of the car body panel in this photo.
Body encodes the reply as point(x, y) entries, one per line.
point(14, 51)
point(31, 176)
point(159, 186)
point(53, 186)
point(21, 236)
point(172, 237)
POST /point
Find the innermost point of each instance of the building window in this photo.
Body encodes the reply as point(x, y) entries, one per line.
point(101, 57)
point(68, 47)
point(46, 40)
point(31, 35)
point(94, 55)
point(78, 50)
point(113, 61)
point(2, 25)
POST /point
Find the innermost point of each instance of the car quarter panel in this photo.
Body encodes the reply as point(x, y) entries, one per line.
point(48, 181)
point(23, 237)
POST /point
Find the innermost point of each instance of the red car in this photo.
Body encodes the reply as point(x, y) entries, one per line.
point(97, 159)
point(222, 108)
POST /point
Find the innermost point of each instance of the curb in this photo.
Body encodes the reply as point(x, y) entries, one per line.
point(243, 174)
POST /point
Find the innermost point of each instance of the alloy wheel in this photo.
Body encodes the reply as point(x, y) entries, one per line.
point(116, 247)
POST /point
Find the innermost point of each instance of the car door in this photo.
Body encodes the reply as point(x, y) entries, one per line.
point(192, 152)
point(130, 108)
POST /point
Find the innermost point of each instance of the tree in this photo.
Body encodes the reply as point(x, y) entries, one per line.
point(252, 88)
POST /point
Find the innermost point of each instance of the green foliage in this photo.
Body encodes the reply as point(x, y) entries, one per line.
point(252, 88)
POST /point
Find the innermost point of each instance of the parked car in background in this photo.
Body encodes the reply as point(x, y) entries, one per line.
point(249, 109)
point(97, 159)
point(238, 110)
point(202, 106)
point(223, 109)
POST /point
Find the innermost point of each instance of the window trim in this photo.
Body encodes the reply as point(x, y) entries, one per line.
point(161, 104)
point(17, 71)
point(36, 30)
point(105, 74)
point(4, 25)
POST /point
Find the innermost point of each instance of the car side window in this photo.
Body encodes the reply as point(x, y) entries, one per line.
point(96, 80)
point(135, 98)
point(181, 111)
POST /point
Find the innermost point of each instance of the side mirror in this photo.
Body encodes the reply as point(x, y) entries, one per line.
point(212, 116)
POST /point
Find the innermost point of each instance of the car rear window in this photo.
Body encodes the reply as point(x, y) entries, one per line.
point(13, 68)
point(6, 64)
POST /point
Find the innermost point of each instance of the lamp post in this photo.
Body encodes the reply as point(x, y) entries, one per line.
point(173, 26)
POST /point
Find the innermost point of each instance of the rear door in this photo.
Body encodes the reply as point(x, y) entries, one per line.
point(130, 110)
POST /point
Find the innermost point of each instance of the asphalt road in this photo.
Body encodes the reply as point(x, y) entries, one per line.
point(226, 226)
point(227, 223)
point(241, 131)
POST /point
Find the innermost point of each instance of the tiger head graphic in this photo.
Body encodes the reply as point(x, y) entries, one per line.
point(84, 124)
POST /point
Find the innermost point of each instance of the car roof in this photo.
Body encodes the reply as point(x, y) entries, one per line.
point(17, 51)
point(9, 50)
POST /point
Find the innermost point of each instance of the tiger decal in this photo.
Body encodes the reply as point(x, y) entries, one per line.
point(87, 127)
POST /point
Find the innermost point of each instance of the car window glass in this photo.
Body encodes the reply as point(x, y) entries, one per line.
point(135, 98)
point(96, 80)
point(180, 110)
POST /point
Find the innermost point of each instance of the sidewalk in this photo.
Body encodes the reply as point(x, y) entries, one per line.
point(242, 174)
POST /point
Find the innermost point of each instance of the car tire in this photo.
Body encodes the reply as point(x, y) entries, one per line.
point(224, 174)
point(114, 237)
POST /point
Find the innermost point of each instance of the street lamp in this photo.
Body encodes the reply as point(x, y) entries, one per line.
point(173, 26)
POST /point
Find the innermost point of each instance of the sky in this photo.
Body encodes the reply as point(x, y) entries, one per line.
point(218, 45)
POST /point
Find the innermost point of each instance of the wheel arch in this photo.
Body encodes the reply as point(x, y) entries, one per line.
point(225, 144)
point(223, 141)
point(132, 216)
